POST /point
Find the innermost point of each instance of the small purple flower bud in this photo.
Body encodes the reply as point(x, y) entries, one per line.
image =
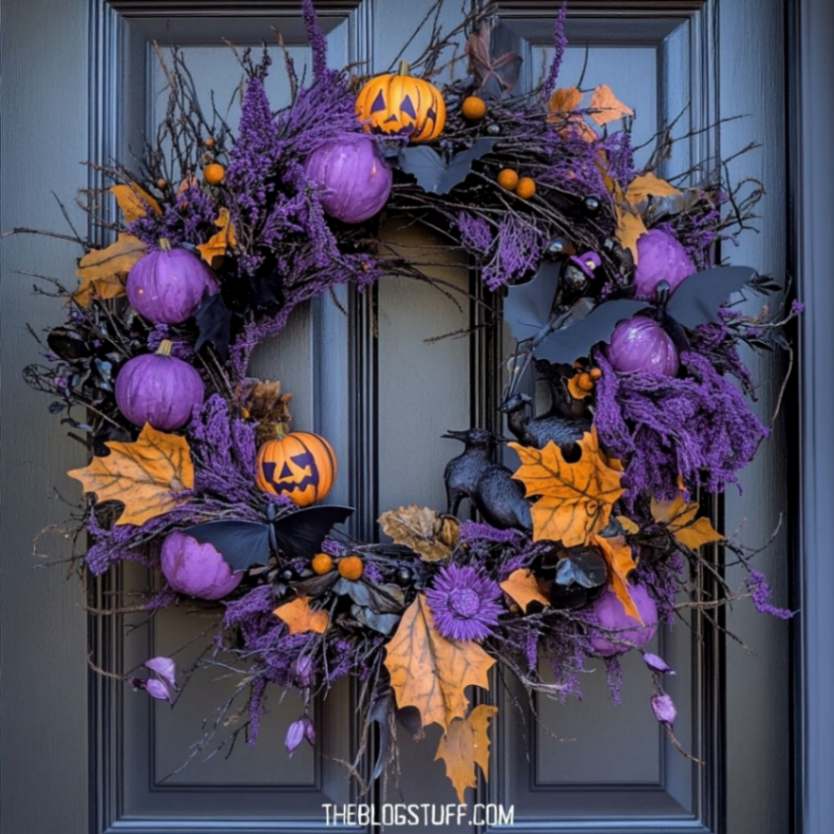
point(299, 730)
point(303, 671)
point(164, 668)
point(656, 663)
point(664, 709)
point(157, 689)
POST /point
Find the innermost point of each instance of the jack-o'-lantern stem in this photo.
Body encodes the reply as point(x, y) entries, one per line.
point(281, 430)
point(404, 68)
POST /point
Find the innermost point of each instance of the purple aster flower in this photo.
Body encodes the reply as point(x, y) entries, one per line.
point(464, 603)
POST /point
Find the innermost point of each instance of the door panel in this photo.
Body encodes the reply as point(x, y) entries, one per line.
point(383, 395)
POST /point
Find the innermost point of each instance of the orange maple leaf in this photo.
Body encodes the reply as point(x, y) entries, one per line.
point(562, 108)
point(621, 563)
point(522, 588)
point(145, 475)
point(606, 107)
point(575, 499)
point(464, 745)
point(649, 185)
point(680, 518)
point(134, 201)
point(430, 672)
point(221, 241)
point(101, 272)
point(300, 618)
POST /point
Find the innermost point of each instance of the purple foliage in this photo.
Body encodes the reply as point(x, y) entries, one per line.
point(560, 44)
point(761, 593)
point(516, 251)
point(475, 233)
point(190, 219)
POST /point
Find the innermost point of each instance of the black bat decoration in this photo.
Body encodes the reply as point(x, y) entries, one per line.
point(245, 543)
point(214, 325)
point(562, 339)
point(697, 299)
point(433, 174)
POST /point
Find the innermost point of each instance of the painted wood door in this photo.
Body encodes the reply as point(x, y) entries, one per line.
point(83, 753)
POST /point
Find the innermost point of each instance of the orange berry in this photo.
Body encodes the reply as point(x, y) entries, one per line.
point(584, 382)
point(214, 173)
point(209, 143)
point(596, 373)
point(508, 178)
point(321, 563)
point(525, 188)
point(474, 108)
point(351, 567)
point(161, 183)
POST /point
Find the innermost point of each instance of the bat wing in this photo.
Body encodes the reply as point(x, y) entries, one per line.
point(241, 543)
point(214, 325)
point(433, 174)
point(697, 299)
point(301, 533)
point(527, 306)
point(578, 337)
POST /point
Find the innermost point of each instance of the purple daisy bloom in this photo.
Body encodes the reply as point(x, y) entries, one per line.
point(464, 603)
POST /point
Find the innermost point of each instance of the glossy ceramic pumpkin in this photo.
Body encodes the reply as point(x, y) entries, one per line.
point(391, 103)
point(300, 465)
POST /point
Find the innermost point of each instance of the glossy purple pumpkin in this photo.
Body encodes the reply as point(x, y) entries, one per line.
point(660, 257)
point(625, 632)
point(167, 285)
point(159, 389)
point(641, 344)
point(198, 570)
point(354, 180)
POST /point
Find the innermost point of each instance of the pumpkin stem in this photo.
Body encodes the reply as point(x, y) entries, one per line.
point(165, 244)
point(403, 69)
point(281, 430)
point(164, 348)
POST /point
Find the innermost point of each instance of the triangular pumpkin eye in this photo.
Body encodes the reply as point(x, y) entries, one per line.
point(379, 103)
point(286, 472)
point(407, 106)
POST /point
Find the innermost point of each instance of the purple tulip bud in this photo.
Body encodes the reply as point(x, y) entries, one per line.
point(660, 257)
point(157, 689)
point(656, 663)
point(164, 668)
point(198, 570)
point(663, 708)
point(300, 729)
point(163, 683)
point(302, 671)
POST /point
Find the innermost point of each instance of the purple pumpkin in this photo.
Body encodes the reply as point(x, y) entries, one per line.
point(641, 344)
point(626, 632)
point(354, 180)
point(659, 258)
point(167, 285)
point(159, 389)
point(198, 570)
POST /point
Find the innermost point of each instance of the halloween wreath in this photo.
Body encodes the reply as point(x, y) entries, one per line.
point(610, 280)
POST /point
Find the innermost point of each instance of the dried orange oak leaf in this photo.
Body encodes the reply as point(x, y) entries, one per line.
point(219, 242)
point(606, 106)
point(430, 672)
point(621, 562)
point(466, 744)
point(522, 588)
point(101, 272)
point(682, 522)
point(300, 618)
point(425, 531)
point(649, 185)
point(145, 475)
point(134, 201)
point(575, 498)
point(563, 102)
point(630, 227)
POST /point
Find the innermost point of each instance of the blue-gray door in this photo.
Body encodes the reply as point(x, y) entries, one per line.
point(82, 753)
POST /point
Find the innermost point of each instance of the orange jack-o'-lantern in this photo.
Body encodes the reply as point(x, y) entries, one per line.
point(392, 103)
point(300, 465)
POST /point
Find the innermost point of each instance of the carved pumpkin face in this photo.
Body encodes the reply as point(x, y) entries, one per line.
point(300, 465)
point(392, 103)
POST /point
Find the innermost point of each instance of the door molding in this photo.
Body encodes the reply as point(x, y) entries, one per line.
point(811, 168)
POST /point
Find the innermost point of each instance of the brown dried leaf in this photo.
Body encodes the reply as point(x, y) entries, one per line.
point(575, 498)
point(145, 475)
point(101, 272)
point(522, 588)
point(300, 618)
point(134, 201)
point(425, 531)
point(606, 106)
point(430, 672)
point(221, 241)
point(649, 185)
point(621, 563)
point(564, 101)
point(682, 522)
point(261, 400)
point(466, 744)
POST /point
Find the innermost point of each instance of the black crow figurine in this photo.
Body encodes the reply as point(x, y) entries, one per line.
point(462, 473)
point(539, 431)
point(500, 499)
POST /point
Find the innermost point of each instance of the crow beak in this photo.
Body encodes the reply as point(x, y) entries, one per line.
point(455, 435)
